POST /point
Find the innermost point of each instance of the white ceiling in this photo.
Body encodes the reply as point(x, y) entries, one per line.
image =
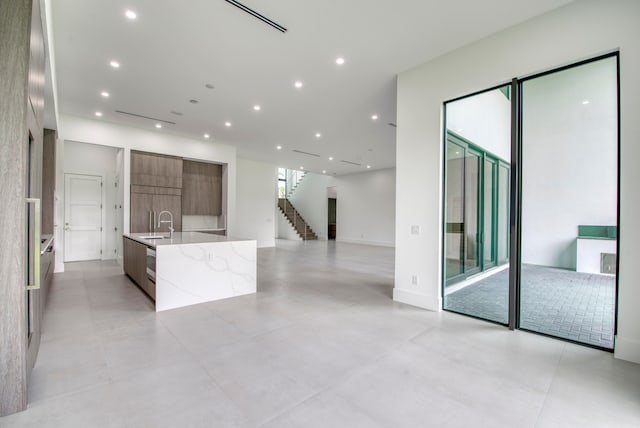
point(174, 48)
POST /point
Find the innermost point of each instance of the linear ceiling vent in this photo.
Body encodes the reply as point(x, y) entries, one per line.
point(351, 163)
point(145, 117)
point(306, 153)
point(257, 15)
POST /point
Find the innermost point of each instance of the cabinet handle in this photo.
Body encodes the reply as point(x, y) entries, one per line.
point(154, 221)
point(36, 245)
point(150, 230)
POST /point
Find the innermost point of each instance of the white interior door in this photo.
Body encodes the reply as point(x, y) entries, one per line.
point(82, 217)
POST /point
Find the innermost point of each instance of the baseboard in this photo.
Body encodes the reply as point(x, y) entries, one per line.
point(365, 242)
point(627, 349)
point(420, 300)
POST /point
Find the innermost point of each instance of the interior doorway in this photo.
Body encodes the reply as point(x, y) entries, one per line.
point(83, 217)
point(332, 202)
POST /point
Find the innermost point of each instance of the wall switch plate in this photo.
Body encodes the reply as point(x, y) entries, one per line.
point(415, 229)
point(414, 279)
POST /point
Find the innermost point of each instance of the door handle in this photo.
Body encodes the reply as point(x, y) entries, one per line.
point(150, 230)
point(36, 245)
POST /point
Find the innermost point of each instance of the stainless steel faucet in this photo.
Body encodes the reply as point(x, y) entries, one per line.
point(171, 229)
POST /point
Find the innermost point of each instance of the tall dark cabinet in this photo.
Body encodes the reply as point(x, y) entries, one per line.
point(156, 186)
point(22, 58)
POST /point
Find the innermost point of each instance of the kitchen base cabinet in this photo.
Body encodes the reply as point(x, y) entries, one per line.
point(135, 265)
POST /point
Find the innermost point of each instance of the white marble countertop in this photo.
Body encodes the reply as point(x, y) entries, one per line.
point(179, 238)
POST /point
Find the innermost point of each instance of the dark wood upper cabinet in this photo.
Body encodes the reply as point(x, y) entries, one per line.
point(152, 169)
point(201, 188)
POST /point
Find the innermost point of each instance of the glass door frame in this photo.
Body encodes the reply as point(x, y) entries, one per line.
point(515, 192)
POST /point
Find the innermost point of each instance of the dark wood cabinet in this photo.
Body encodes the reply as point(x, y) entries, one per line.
point(146, 207)
point(201, 188)
point(135, 264)
point(48, 180)
point(152, 169)
point(156, 186)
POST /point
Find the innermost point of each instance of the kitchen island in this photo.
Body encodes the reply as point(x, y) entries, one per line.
point(190, 267)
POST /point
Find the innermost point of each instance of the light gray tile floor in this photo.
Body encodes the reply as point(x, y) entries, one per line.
point(571, 305)
point(320, 345)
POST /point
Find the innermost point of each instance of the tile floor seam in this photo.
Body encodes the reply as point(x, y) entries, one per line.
point(553, 377)
point(201, 365)
point(352, 373)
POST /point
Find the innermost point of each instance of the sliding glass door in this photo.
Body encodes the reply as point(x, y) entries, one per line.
point(531, 219)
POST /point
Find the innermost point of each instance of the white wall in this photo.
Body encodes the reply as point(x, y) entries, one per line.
point(256, 202)
point(569, 165)
point(107, 134)
point(365, 206)
point(578, 31)
point(485, 120)
point(91, 159)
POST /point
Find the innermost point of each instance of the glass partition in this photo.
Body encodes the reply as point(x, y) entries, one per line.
point(569, 203)
point(478, 150)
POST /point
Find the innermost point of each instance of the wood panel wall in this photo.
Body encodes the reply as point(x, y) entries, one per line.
point(16, 111)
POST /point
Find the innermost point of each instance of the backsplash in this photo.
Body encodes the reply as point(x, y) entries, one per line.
point(202, 222)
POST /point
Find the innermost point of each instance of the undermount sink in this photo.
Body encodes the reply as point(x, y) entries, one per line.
point(154, 237)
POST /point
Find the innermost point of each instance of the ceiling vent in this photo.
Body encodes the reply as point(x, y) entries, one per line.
point(392, 124)
point(351, 163)
point(257, 15)
point(306, 153)
point(145, 117)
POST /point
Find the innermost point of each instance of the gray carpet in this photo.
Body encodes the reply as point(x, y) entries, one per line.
point(567, 304)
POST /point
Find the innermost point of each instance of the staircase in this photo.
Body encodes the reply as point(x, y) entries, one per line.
point(294, 177)
point(293, 216)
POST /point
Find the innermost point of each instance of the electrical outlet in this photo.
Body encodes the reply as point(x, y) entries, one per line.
point(415, 229)
point(414, 279)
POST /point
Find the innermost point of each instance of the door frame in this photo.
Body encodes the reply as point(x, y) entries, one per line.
point(102, 213)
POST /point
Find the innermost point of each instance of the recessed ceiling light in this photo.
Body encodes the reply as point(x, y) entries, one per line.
point(585, 102)
point(177, 113)
point(368, 166)
point(130, 14)
point(257, 107)
point(114, 64)
point(339, 60)
point(279, 147)
point(227, 124)
point(302, 168)
point(298, 84)
point(209, 86)
point(374, 117)
point(99, 114)
point(318, 135)
point(206, 135)
point(105, 94)
point(324, 171)
point(193, 101)
point(330, 157)
point(158, 125)
point(459, 130)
